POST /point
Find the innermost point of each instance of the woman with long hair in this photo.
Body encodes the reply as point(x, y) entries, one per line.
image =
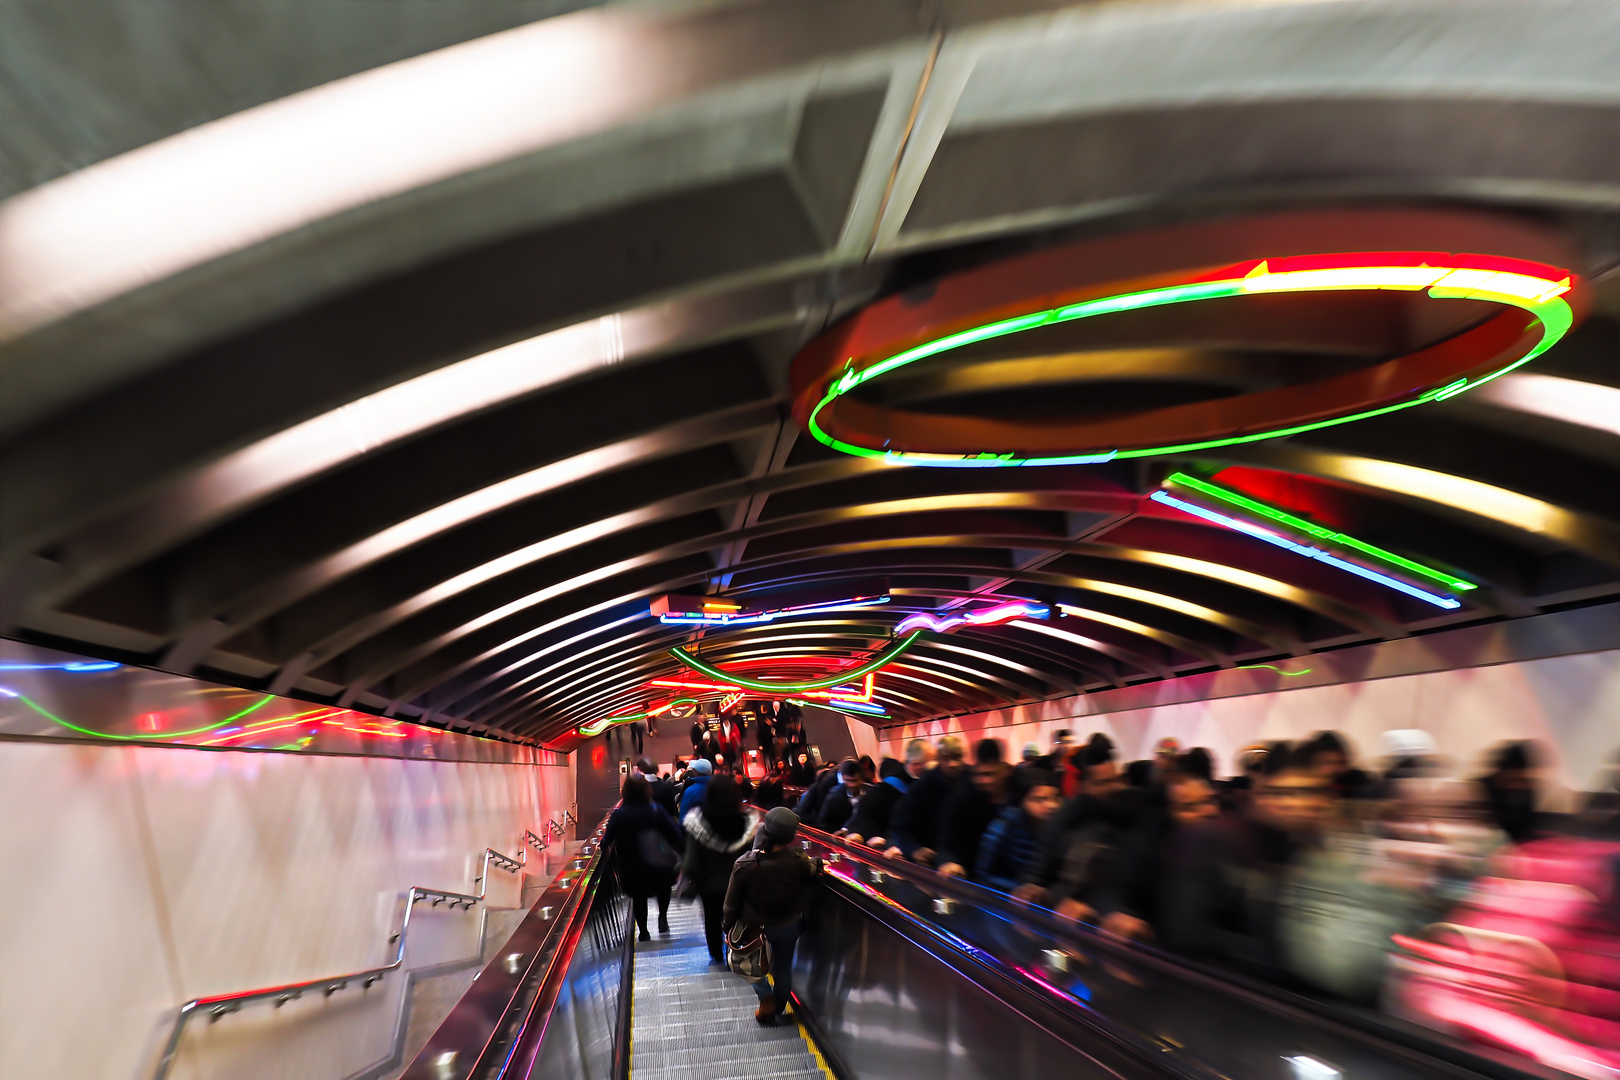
point(646, 850)
point(717, 832)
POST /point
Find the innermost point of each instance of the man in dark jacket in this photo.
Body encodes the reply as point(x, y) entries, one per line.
point(1082, 820)
point(1014, 838)
point(971, 809)
point(1167, 883)
point(769, 889)
point(663, 792)
point(809, 808)
point(870, 822)
point(914, 828)
point(839, 805)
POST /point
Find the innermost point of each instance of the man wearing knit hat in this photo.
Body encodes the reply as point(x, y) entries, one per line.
point(769, 888)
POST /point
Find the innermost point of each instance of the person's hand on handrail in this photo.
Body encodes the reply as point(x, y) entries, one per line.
point(1070, 908)
point(1029, 893)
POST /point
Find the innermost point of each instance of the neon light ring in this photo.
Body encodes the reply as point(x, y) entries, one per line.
point(1538, 304)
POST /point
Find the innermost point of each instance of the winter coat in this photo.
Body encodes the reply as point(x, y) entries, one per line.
point(836, 809)
point(709, 857)
point(1081, 819)
point(967, 814)
point(729, 739)
point(916, 820)
point(640, 836)
point(1007, 847)
point(769, 793)
point(663, 794)
point(692, 794)
point(875, 814)
point(809, 808)
point(769, 888)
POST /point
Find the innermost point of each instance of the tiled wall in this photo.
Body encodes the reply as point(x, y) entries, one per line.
point(1570, 703)
point(135, 878)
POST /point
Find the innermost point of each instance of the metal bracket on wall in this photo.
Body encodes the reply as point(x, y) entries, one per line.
point(223, 1005)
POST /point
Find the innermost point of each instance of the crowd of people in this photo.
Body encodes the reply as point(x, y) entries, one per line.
point(1301, 869)
point(691, 835)
point(778, 737)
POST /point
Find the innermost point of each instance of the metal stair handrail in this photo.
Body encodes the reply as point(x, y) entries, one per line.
point(221, 1005)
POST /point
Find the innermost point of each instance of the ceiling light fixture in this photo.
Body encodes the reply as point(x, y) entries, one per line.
point(1474, 358)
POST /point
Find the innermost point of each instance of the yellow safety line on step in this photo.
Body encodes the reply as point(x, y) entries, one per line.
point(815, 1051)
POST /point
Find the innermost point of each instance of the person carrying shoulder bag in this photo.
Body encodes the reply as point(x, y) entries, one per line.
point(764, 912)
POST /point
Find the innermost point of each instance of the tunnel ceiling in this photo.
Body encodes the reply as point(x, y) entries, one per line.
point(410, 391)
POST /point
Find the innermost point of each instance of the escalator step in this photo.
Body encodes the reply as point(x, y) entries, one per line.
point(690, 1021)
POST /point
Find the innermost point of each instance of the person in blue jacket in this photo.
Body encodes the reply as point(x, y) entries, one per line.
point(696, 783)
point(1014, 837)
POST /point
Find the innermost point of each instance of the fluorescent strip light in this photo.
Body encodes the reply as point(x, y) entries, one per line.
point(1571, 401)
point(246, 178)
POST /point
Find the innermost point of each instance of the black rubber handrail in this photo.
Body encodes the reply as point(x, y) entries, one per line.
point(1427, 1050)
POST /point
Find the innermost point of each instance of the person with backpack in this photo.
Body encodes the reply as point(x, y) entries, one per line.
point(646, 851)
point(766, 898)
point(717, 833)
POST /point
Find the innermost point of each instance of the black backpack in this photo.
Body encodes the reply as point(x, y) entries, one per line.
point(658, 855)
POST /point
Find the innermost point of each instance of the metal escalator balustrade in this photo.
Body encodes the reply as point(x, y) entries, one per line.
point(1126, 1006)
point(548, 1005)
point(219, 1006)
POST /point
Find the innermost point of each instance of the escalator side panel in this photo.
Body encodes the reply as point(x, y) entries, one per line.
point(579, 1038)
point(890, 1008)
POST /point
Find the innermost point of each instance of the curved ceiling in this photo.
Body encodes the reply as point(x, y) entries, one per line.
point(419, 419)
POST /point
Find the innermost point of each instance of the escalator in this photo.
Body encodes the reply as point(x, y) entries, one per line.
point(899, 974)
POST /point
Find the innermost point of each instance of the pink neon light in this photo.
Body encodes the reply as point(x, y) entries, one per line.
point(1001, 613)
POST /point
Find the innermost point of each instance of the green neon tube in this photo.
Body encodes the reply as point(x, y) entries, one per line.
point(1253, 506)
point(1274, 667)
point(1540, 298)
point(881, 660)
point(596, 727)
point(26, 700)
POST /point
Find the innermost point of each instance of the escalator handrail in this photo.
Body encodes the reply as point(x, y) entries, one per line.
point(220, 1005)
point(1434, 1051)
point(496, 1020)
point(556, 954)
